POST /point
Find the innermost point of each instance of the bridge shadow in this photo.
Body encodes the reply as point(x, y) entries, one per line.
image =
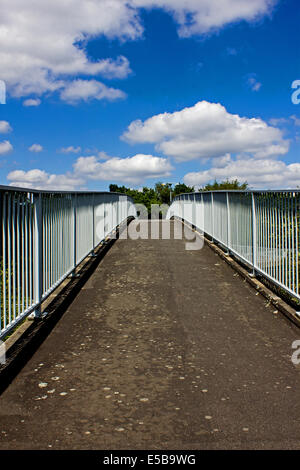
point(34, 335)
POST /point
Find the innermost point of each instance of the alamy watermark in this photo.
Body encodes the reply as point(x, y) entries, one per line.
point(153, 228)
point(296, 93)
point(2, 353)
point(296, 354)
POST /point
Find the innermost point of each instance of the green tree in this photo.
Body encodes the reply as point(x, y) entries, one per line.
point(163, 191)
point(181, 188)
point(226, 185)
point(114, 188)
point(146, 196)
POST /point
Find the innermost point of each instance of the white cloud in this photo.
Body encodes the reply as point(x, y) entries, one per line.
point(260, 174)
point(207, 130)
point(5, 127)
point(86, 90)
point(39, 179)
point(70, 149)
point(5, 147)
point(36, 148)
point(285, 121)
point(40, 42)
point(32, 102)
point(204, 16)
point(278, 121)
point(44, 43)
point(130, 170)
point(104, 156)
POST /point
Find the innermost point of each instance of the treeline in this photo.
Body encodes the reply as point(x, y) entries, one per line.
point(163, 193)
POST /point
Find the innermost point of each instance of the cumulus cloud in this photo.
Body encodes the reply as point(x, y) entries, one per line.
point(70, 149)
point(133, 170)
point(204, 16)
point(260, 174)
point(38, 45)
point(5, 127)
point(85, 90)
point(39, 179)
point(207, 130)
point(32, 102)
point(36, 148)
point(43, 43)
point(5, 147)
point(130, 170)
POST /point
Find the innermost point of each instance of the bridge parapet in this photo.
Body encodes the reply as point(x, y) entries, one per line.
point(45, 236)
point(259, 227)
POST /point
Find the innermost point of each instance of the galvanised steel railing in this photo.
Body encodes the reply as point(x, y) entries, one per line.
point(44, 237)
point(259, 227)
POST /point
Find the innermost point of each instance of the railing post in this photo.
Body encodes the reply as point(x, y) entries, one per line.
point(212, 217)
point(193, 201)
point(228, 224)
point(38, 253)
point(93, 222)
point(254, 238)
point(74, 236)
point(203, 216)
point(75, 230)
point(92, 254)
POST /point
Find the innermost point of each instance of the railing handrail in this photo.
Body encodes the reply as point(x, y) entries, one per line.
point(50, 191)
point(243, 191)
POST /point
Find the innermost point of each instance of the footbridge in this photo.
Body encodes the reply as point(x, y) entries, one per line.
point(122, 333)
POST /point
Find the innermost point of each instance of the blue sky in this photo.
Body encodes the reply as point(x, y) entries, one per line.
point(107, 91)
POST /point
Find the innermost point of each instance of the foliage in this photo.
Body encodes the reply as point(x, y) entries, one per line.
point(181, 188)
point(226, 185)
point(161, 194)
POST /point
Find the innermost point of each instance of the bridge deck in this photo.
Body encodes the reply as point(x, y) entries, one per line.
point(163, 348)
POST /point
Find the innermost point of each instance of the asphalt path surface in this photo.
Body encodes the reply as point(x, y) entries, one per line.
point(163, 348)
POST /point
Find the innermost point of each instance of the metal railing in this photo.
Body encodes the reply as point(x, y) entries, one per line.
point(259, 227)
point(44, 237)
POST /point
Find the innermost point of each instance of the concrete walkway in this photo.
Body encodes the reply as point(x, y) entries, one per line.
point(162, 349)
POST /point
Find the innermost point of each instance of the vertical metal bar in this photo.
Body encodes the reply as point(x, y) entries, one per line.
point(282, 247)
point(297, 242)
point(23, 253)
point(74, 232)
point(38, 252)
point(254, 234)
point(31, 249)
point(4, 232)
point(212, 217)
point(285, 239)
point(293, 242)
point(14, 264)
point(289, 243)
point(228, 223)
point(93, 225)
point(9, 257)
point(18, 257)
point(26, 257)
